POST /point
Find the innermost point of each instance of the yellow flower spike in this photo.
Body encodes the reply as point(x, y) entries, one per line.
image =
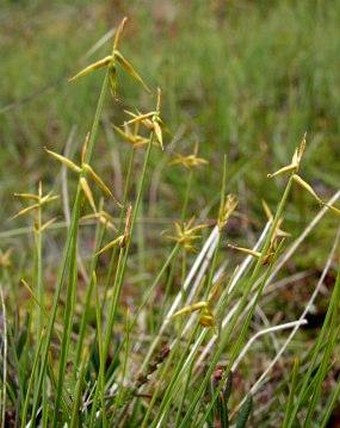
point(186, 234)
point(296, 159)
point(122, 239)
point(84, 148)
point(48, 224)
point(118, 33)
point(118, 241)
point(279, 232)
point(40, 192)
point(283, 170)
point(93, 67)
point(248, 251)
point(157, 122)
point(158, 132)
point(65, 161)
point(227, 210)
point(189, 161)
point(207, 319)
point(41, 200)
point(5, 258)
point(132, 138)
point(269, 215)
point(48, 198)
point(126, 134)
point(110, 62)
point(335, 210)
point(140, 118)
point(30, 196)
point(127, 66)
point(310, 190)
point(26, 210)
point(150, 120)
point(85, 168)
point(267, 259)
point(87, 191)
point(191, 308)
point(89, 170)
point(122, 61)
point(100, 183)
point(103, 217)
point(267, 210)
point(307, 187)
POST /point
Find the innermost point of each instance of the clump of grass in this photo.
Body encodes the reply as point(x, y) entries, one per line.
point(75, 356)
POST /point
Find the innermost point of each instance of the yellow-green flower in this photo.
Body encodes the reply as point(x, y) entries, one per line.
point(186, 234)
point(189, 161)
point(110, 62)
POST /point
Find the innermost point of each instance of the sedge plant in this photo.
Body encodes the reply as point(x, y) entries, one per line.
point(89, 356)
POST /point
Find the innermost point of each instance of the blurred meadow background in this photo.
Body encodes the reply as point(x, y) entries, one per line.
point(242, 79)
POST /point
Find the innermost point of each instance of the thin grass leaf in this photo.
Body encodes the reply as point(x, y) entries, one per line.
point(292, 386)
point(244, 412)
point(75, 417)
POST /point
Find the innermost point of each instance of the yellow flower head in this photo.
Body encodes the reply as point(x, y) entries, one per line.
point(190, 161)
point(187, 234)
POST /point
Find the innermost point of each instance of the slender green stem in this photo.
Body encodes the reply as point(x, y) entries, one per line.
point(187, 194)
point(119, 278)
point(38, 280)
point(112, 264)
point(69, 247)
point(84, 319)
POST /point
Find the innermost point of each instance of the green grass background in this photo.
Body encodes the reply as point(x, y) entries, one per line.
point(243, 78)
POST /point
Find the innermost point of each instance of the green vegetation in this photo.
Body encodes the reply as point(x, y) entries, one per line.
point(136, 288)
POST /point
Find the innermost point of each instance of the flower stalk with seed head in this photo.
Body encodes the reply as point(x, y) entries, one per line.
point(85, 170)
point(39, 199)
point(293, 168)
point(5, 258)
point(295, 162)
point(131, 136)
point(226, 210)
point(38, 227)
point(187, 234)
point(206, 318)
point(121, 240)
point(103, 217)
point(110, 63)
point(152, 120)
point(189, 161)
